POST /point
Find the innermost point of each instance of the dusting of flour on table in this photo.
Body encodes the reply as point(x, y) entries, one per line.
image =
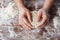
point(9, 14)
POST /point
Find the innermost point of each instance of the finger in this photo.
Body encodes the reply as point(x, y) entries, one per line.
point(29, 17)
point(41, 26)
point(26, 22)
point(44, 19)
point(39, 16)
point(26, 26)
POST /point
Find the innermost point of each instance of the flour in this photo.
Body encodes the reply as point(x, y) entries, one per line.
point(8, 13)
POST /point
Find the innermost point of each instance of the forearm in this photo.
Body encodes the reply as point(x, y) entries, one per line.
point(48, 4)
point(19, 3)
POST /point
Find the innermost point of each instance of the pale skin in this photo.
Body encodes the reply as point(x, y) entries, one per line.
point(26, 13)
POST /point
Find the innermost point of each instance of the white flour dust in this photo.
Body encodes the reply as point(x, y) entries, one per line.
point(10, 31)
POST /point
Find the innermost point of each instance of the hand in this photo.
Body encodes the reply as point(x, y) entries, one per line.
point(25, 18)
point(42, 18)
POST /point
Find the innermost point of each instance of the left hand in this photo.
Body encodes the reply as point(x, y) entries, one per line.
point(42, 18)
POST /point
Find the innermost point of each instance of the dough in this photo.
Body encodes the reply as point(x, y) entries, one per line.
point(34, 17)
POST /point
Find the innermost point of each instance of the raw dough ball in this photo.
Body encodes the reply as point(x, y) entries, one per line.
point(34, 17)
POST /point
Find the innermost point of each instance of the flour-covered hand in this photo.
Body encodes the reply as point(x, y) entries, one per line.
point(25, 18)
point(42, 18)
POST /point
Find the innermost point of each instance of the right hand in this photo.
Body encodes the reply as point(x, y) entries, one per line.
point(25, 18)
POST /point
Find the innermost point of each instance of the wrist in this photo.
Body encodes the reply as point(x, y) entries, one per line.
point(21, 7)
point(43, 9)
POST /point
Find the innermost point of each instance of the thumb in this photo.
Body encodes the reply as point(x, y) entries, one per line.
point(39, 15)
